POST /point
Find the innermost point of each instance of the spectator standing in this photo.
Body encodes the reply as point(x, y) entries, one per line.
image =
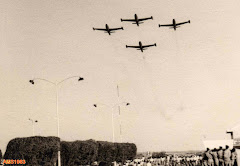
point(234, 157)
point(210, 157)
point(149, 163)
point(168, 160)
point(215, 157)
point(145, 163)
point(163, 159)
point(205, 159)
point(227, 155)
point(220, 156)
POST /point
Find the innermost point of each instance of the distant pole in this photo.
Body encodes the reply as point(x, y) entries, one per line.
point(58, 133)
point(113, 135)
point(33, 129)
point(120, 120)
point(112, 109)
point(119, 110)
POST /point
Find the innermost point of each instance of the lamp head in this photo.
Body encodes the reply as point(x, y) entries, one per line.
point(95, 105)
point(80, 79)
point(31, 81)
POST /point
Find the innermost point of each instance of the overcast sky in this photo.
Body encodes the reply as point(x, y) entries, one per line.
point(186, 88)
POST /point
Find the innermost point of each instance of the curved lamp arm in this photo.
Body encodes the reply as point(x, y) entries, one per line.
point(42, 79)
point(79, 79)
point(95, 105)
point(118, 104)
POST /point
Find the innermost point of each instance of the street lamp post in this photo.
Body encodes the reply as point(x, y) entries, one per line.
point(112, 109)
point(56, 84)
point(33, 125)
point(121, 136)
point(119, 110)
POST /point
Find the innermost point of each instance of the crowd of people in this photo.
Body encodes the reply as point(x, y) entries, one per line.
point(213, 157)
point(220, 157)
point(169, 160)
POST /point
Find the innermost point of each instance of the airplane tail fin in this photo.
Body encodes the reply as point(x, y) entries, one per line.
point(155, 44)
point(173, 27)
point(141, 49)
point(159, 25)
point(93, 28)
point(188, 21)
point(152, 17)
point(138, 23)
point(121, 20)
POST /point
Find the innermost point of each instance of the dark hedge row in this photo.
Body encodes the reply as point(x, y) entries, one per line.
point(86, 152)
point(158, 154)
point(0, 155)
point(125, 151)
point(35, 150)
point(78, 152)
point(43, 151)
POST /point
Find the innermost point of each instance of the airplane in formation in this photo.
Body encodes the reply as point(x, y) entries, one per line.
point(137, 20)
point(141, 47)
point(108, 30)
point(175, 25)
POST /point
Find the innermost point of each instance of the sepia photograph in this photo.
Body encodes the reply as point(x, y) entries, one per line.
point(119, 83)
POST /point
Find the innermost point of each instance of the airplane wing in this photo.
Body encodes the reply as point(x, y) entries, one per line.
point(149, 45)
point(183, 22)
point(166, 25)
point(142, 19)
point(132, 20)
point(113, 29)
point(99, 29)
point(132, 46)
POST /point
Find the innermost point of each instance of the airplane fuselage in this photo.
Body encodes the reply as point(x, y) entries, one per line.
point(107, 28)
point(174, 24)
point(140, 45)
point(136, 19)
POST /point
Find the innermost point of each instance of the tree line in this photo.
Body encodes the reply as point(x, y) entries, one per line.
point(43, 151)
